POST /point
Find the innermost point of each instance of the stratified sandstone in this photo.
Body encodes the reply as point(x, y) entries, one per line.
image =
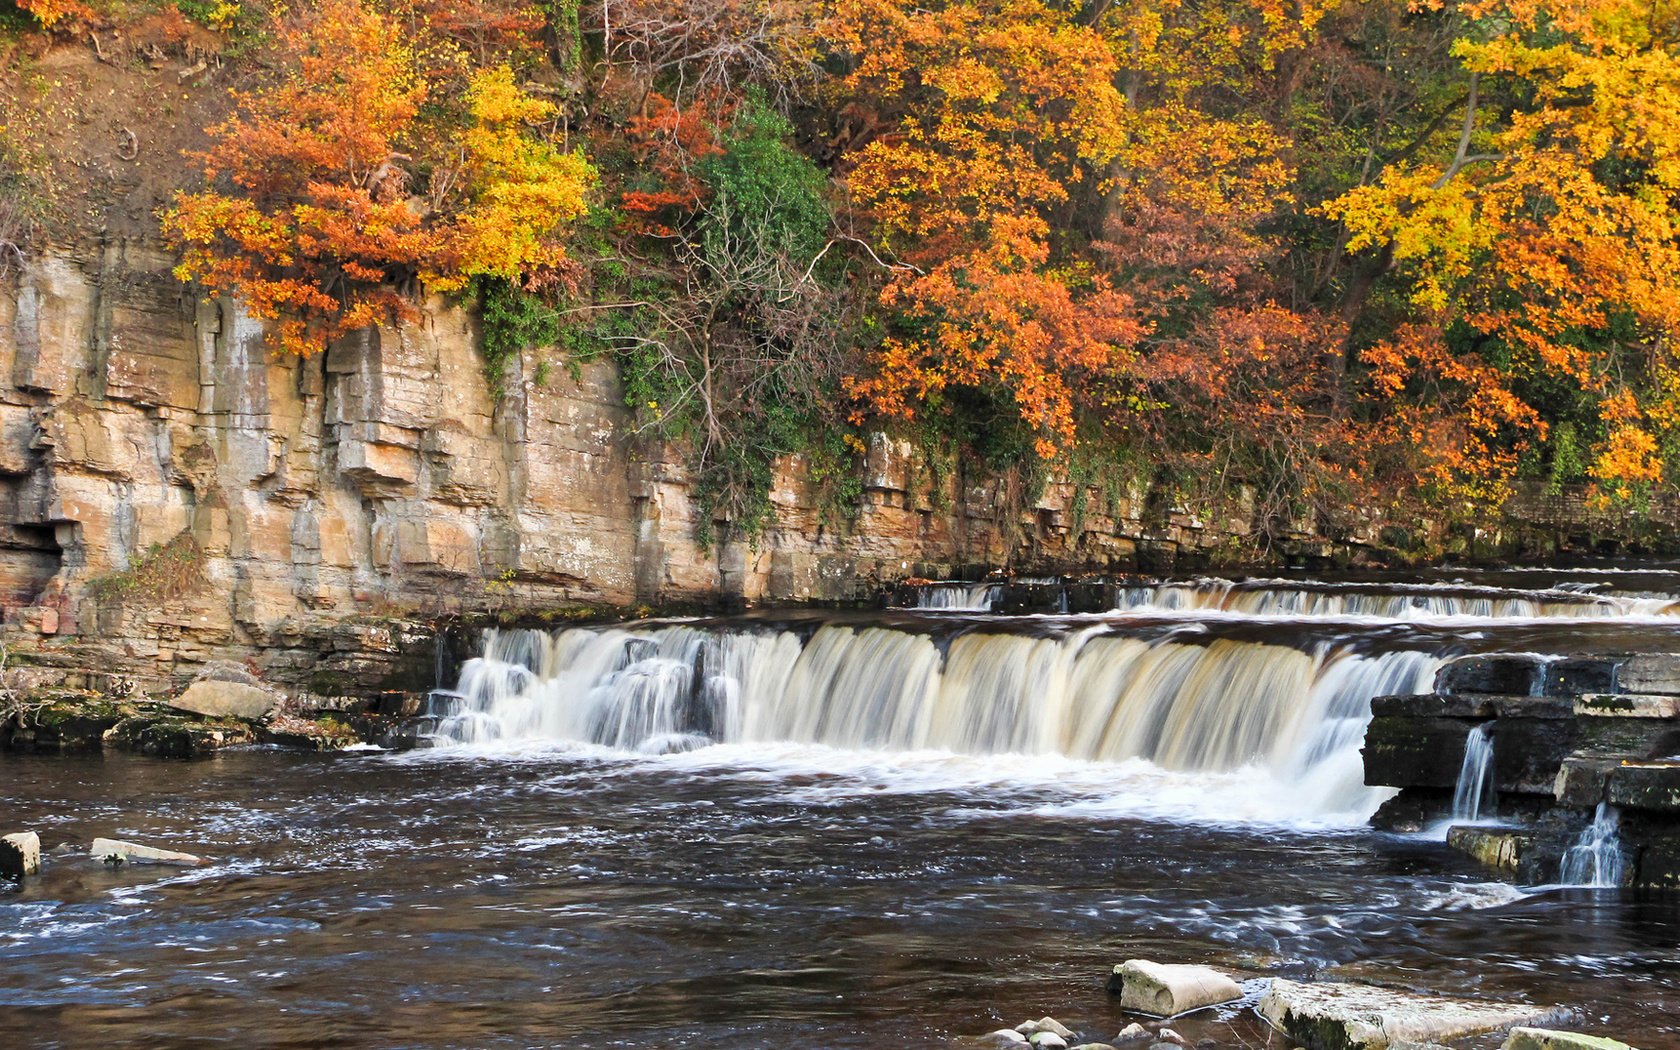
point(174, 494)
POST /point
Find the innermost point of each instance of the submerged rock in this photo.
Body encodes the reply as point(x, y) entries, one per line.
point(1167, 990)
point(1545, 1039)
point(116, 851)
point(20, 855)
point(1364, 1017)
point(1132, 1033)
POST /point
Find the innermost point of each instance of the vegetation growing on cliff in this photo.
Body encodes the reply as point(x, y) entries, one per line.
point(1399, 254)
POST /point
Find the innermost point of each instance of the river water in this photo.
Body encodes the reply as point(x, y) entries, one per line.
point(955, 822)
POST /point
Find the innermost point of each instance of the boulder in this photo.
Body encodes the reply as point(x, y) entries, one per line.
point(1364, 1017)
point(168, 735)
point(1048, 1041)
point(1544, 1039)
point(1167, 990)
point(115, 851)
point(20, 855)
point(1044, 1024)
point(222, 699)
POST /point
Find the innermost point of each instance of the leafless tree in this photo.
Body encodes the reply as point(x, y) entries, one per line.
point(702, 46)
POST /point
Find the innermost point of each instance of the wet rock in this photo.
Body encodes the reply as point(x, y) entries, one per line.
point(1167, 1035)
point(116, 851)
point(218, 698)
point(1500, 848)
point(1048, 1041)
point(998, 1040)
point(1363, 1017)
point(20, 855)
point(1095, 1046)
point(1132, 1033)
point(1650, 673)
point(1166, 990)
point(1044, 1024)
point(1519, 675)
point(176, 736)
point(1545, 1039)
point(1646, 785)
point(62, 720)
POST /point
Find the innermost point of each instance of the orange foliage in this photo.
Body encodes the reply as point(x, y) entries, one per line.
point(668, 142)
point(994, 112)
point(63, 15)
point(316, 228)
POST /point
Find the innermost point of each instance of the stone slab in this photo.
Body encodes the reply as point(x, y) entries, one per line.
point(1500, 848)
point(1651, 786)
point(135, 853)
point(1334, 1016)
point(223, 699)
point(1546, 1039)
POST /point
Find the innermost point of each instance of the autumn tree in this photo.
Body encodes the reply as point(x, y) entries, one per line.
point(1536, 246)
point(992, 116)
point(314, 216)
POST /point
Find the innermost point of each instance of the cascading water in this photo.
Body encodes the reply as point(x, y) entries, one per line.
point(958, 597)
point(1474, 793)
point(1386, 601)
point(1092, 696)
point(1595, 860)
point(1268, 698)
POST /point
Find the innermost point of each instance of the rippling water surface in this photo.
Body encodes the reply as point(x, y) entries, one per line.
point(736, 897)
point(916, 825)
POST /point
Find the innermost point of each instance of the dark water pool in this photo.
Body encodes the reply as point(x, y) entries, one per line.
point(568, 899)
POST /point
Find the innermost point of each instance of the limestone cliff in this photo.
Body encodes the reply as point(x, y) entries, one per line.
point(139, 423)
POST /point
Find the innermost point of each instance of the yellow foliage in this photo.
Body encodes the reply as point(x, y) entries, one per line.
point(521, 188)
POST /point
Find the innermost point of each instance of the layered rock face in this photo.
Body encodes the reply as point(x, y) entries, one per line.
point(1584, 759)
point(173, 493)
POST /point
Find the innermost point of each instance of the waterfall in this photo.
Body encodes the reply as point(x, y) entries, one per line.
point(1474, 793)
point(1091, 695)
point(1415, 601)
point(965, 597)
point(1596, 858)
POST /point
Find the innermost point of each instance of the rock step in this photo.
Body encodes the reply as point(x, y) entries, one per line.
point(1334, 1016)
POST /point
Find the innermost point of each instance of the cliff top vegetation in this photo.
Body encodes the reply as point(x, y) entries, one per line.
point(1400, 254)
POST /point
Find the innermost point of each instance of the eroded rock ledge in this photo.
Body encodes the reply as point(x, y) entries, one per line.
point(1574, 740)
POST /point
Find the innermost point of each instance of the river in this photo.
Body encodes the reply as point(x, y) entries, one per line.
point(918, 824)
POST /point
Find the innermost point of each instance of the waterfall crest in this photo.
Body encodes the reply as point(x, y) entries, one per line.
point(1220, 706)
